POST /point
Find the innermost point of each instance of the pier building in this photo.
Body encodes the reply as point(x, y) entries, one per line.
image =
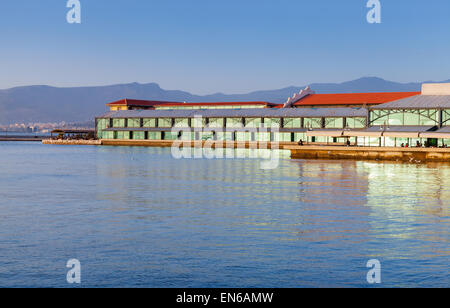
point(362, 119)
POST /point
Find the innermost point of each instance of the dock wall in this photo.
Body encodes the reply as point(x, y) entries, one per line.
point(414, 155)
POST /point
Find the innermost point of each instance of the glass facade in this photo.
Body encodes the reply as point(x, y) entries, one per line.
point(163, 128)
point(405, 117)
point(101, 125)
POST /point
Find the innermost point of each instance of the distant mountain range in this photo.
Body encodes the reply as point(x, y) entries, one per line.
point(50, 104)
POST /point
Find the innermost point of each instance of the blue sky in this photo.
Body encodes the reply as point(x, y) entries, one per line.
point(232, 46)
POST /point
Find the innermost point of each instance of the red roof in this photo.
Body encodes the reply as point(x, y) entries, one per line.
point(143, 103)
point(353, 98)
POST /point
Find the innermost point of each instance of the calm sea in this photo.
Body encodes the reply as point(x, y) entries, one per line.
point(135, 217)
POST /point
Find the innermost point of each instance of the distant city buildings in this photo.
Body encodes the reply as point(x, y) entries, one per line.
point(42, 128)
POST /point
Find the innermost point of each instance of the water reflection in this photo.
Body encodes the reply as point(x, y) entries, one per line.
point(137, 217)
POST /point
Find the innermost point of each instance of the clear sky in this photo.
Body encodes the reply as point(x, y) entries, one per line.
point(230, 46)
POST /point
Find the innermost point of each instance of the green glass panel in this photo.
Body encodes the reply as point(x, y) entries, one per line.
point(139, 135)
point(119, 123)
point(409, 119)
point(134, 123)
point(149, 122)
point(216, 122)
point(165, 122)
point(253, 122)
point(312, 123)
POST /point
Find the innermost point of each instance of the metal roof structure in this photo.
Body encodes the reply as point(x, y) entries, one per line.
point(241, 113)
point(418, 102)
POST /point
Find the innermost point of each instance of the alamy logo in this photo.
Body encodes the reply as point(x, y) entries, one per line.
point(221, 142)
point(74, 14)
point(374, 15)
point(374, 275)
point(74, 274)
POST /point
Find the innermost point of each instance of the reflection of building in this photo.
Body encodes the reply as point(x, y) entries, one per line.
point(363, 118)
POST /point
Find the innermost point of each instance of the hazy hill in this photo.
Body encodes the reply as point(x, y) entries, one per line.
point(51, 104)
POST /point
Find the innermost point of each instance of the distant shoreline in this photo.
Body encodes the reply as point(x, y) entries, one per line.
point(22, 137)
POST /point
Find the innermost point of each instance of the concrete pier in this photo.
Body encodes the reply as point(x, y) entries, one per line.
point(413, 155)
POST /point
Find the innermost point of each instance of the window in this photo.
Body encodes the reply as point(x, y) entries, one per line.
point(164, 122)
point(263, 137)
point(313, 123)
point(216, 122)
point(292, 123)
point(253, 122)
point(410, 119)
point(378, 121)
point(398, 119)
point(182, 123)
point(445, 117)
point(299, 136)
point(154, 135)
point(107, 135)
point(234, 122)
point(149, 122)
point(356, 123)
point(101, 125)
point(122, 135)
point(198, 122)
point(283, 137)
point(138, 135)
point(119, 123)
point(429, 117)
point(272, 122)
point(334, 123)
point(207, 136)
point(170, 136)
point(243, 136)
point(134, 122)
